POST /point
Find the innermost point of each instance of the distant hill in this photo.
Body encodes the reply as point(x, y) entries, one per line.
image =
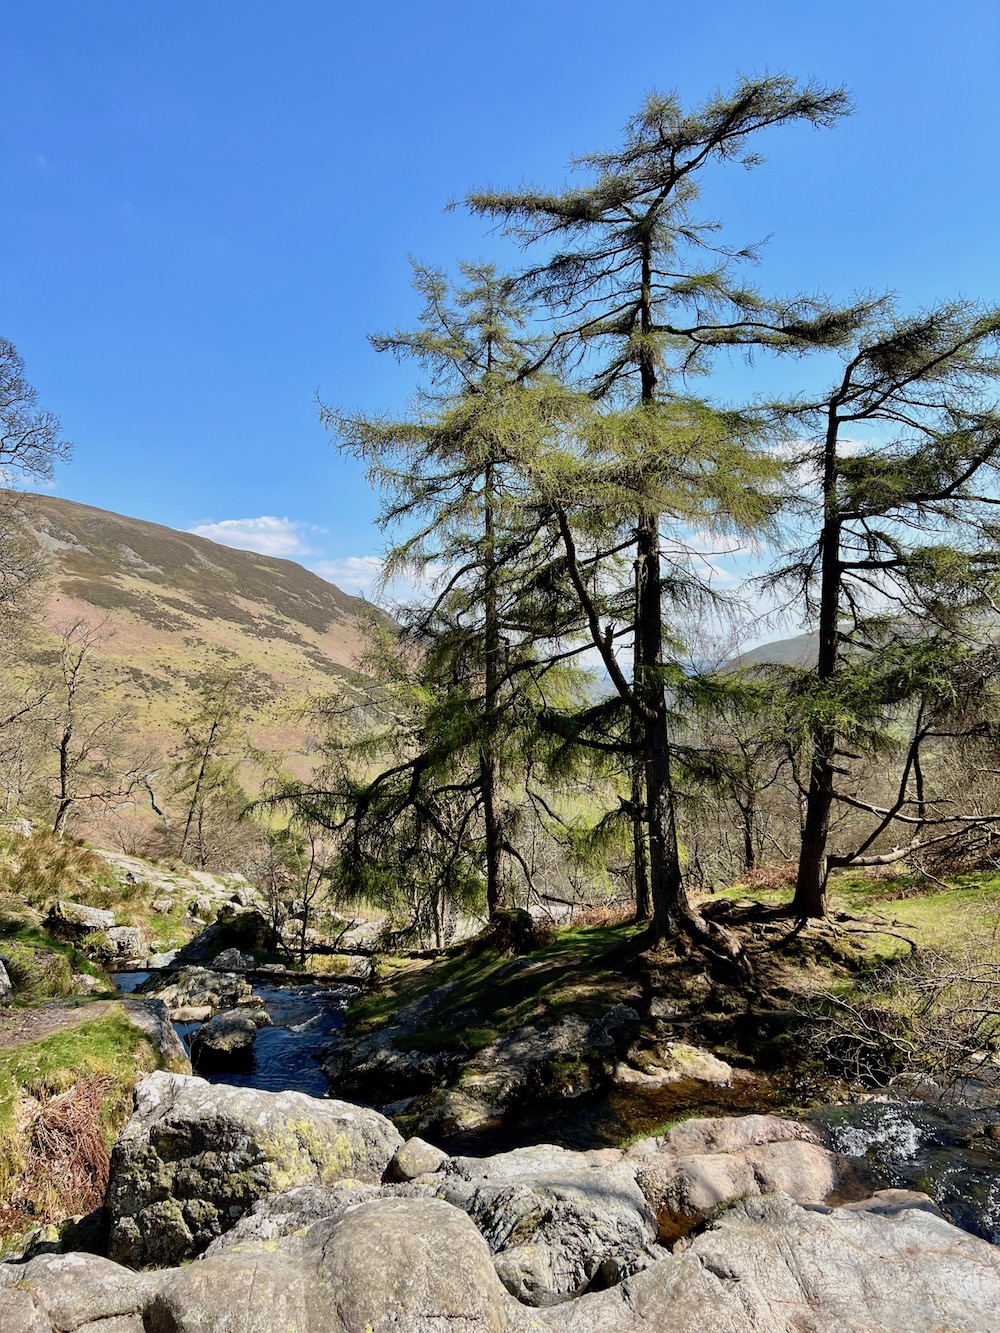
point(176, 605)
point(799, 650)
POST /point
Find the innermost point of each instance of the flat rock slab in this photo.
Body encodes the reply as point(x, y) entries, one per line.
point(194, 1156)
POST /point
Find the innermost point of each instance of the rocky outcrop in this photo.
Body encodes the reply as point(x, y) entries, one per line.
point(556, 1222)
point(194, 1157)
point(768, 1265)
point(73, 920)
point(199, 988)
point(704, 1163)
point(416, 1265)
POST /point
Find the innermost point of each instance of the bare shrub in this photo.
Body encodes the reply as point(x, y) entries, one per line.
point(931, 1013)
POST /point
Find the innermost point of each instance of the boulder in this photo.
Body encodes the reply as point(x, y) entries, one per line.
point(557, 1222)
point(195, 1156)
point(76, 920)
point(396, 1264)
point(125, 942)
point(231, 960)
point(416, 1158)
point(6, 987)
point(199, 987)
point(226, 1041)
point(689, 1070)
point(768, 1265)
point(70, 1292)
point(152, 1019)
point(242, 1293)
point(554, 1236)
point(685, 1187)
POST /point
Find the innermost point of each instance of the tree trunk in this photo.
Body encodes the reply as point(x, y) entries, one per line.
point(496, 890)
point(810, 885)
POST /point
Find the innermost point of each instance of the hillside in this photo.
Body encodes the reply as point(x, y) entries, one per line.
point(174, 605)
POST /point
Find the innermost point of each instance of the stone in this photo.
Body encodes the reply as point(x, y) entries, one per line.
point(125, 942)
point(676, 1064)
point(155, 961)
point(415, 1158)
point(76, 919)
point(684, 1188)
point(768, 1265)
point(291, 1212)
point(231, 960)
point(199, 987)
point(195, 1156)
point(226, 1041)
point(74, 1290)
point(242, 1293)
point(153, 1020)
point(162, 906)
point(6, 987)
point(408, 1264)
point(555, 1223)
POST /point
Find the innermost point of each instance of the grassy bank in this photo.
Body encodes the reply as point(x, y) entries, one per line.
point(63, 1100)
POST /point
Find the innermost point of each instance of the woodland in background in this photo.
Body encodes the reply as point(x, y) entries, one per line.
point(564, 717)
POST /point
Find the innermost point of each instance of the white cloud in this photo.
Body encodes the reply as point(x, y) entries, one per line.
point(352, 573)
point(265, 535)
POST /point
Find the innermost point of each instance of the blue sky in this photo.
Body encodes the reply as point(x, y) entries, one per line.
point(209, 205)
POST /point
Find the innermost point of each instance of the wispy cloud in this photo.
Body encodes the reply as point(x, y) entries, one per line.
point(352, 573)
point(265, 535)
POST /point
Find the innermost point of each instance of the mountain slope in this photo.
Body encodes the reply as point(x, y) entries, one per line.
point(173, 605)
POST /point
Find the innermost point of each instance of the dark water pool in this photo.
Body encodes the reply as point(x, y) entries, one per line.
point(285, 1056)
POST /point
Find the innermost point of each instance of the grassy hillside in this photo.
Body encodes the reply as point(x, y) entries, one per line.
point(174, 605)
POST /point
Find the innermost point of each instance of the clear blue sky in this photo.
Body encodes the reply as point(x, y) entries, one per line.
point(208, 205)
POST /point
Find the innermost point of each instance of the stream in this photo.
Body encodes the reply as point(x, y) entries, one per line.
point(945, 1145)
point(285, 1056)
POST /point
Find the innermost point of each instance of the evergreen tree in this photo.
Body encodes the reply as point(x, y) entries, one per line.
point(453, 479)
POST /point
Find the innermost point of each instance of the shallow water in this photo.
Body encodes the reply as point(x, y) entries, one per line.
point(285, 1056)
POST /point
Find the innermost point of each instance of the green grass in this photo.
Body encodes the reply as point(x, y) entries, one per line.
point(41, 967)
point(578, 971)
point(933, 917)
point(39, 1070)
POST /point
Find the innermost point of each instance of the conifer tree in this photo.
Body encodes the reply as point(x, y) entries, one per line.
point(899, 576)
point(644, 292)
point(452, 477)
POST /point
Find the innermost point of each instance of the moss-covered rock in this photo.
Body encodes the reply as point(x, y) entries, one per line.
point(194, 1157)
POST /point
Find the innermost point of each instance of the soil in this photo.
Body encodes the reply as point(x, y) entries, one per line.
point(18, 1026)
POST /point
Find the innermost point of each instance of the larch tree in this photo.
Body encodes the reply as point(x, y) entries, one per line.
point(899, 576)
point(452, 479)
point(643, 293)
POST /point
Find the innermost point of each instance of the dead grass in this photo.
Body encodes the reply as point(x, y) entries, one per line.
point(64, 1155)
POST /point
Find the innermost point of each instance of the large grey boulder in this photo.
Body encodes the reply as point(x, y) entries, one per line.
point(767, 1265)
point(70, 1293)
point(125, 942)
point(76, 919)
point(556, 1222)
point(199, 987)
point(195, 1156)
point(706, 1163)
point(418, 1264)
point(6, 987)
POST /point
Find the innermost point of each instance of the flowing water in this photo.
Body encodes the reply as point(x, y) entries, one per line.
point(286, 1055)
